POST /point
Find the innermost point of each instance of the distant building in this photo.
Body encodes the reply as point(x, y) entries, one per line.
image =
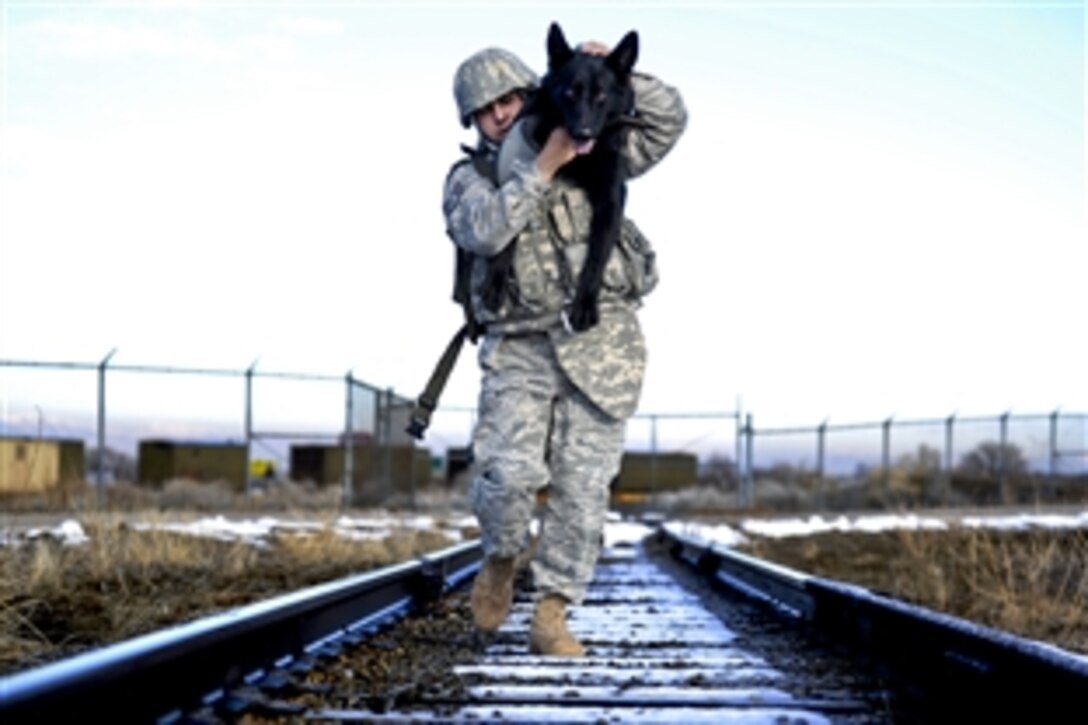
point(37, 464)
point(164, 460)
point(404, 467)
point(645, 473)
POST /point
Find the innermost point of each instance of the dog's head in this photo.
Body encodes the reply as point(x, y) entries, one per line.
point(588, 92)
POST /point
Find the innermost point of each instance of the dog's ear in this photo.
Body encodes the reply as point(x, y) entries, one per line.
point(559, 51)
point(622, 59)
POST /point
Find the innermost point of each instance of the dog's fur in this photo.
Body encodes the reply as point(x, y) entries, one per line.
point(591, 97)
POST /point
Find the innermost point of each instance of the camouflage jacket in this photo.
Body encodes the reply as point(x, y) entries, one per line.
point(551, 222)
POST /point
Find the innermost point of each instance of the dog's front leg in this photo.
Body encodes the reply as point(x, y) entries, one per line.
point(603, 232)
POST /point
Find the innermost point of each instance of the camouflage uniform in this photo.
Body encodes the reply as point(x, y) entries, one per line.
point(554, 404)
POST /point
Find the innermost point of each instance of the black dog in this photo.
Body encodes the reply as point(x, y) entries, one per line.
point(591, 97)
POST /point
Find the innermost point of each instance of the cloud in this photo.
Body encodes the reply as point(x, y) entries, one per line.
point(309, 26)
point(111, 40)
point(188, 40)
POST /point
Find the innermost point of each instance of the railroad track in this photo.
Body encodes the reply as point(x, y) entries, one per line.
point(677, 631)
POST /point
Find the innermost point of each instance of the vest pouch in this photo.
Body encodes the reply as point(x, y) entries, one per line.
point(531, 271)
point(569, 214)
point(638, 259)
point(631, 269)
point(527, 288)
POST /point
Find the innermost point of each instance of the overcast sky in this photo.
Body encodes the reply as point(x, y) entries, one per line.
point(878, 207)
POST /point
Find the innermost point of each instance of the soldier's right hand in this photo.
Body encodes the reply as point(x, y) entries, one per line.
point(559, 149)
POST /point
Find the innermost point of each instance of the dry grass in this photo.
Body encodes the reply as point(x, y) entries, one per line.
point(1033, 583)
point(57, 600)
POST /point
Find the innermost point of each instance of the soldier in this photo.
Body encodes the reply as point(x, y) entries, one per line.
point(553, 403)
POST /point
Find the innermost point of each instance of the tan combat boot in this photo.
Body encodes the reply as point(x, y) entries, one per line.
point(493, 592)
point(548, 634)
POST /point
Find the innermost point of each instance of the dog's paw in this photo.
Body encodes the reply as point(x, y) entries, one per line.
point(583, 315)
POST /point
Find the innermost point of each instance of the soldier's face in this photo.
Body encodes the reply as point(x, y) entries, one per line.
point(495, 119)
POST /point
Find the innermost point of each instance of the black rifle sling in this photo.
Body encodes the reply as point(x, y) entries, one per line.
point(428, 400)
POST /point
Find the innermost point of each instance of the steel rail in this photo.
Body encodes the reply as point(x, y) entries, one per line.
point(966, 670)
point(151, 677)
point(956, 659)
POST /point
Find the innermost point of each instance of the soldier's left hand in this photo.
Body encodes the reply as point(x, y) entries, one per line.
point(593, 47)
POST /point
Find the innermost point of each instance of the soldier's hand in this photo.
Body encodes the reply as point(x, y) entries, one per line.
point(593, 47)
point(558, 150)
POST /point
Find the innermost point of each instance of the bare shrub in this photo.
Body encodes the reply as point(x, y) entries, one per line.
point(993, 459)
point(1033, 583)
point(693, 500)
point(180, 493)
point(286, 495)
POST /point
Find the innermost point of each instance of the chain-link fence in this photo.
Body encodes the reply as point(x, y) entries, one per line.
point(247, 427)
point(955, 460)
point(383, 462)
point(253, 426)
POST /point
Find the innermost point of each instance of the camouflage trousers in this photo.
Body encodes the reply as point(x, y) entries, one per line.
point(534, 429)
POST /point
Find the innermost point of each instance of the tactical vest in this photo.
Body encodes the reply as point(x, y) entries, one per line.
point(464, 260)
point(548, 257)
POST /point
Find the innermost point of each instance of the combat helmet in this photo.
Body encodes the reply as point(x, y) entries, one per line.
point(487, 75)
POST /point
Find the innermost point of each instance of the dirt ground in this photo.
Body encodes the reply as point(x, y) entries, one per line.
point(57, 601)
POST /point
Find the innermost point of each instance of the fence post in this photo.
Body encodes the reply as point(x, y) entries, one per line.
point(348, 474)
point(1002, 461)
point(749, 484)
point(372, 474)
point(949, 423)
point(1054, 444)
point(737, 444)
point(100, 473)
point(387, 444)
point(821, 443)
point(886, 453)
point(249, 425)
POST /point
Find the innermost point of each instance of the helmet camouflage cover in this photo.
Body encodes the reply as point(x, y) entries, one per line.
point(486, 76)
